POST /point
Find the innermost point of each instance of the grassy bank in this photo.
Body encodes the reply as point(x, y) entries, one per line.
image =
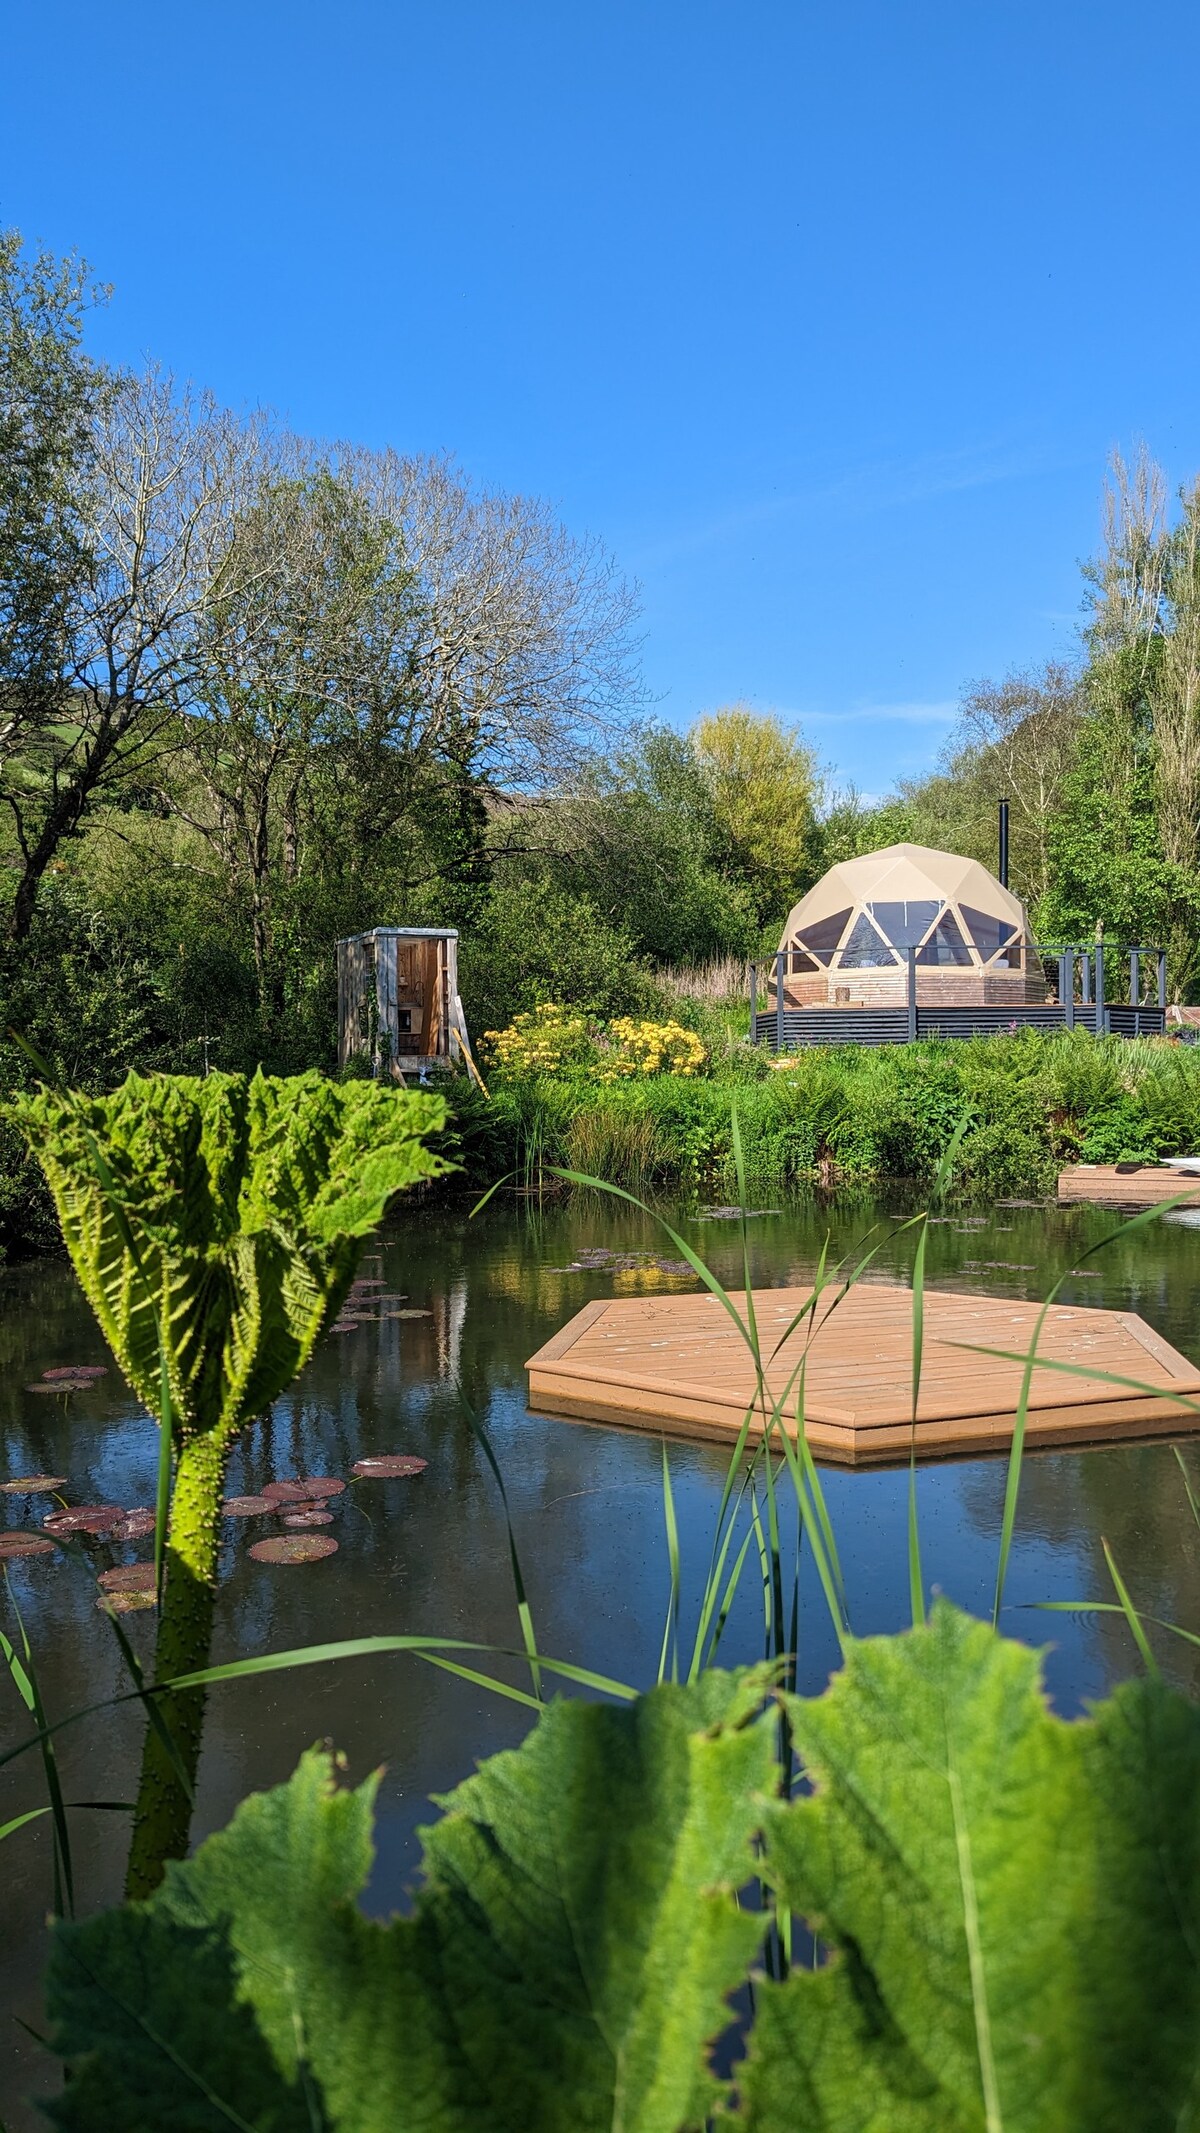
point(845, 1117)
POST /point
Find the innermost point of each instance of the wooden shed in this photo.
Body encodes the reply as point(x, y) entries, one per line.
point(398, 1003)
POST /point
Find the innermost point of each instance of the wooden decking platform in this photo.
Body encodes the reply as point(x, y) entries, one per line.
point(677, 1364)
point(1124, 1184)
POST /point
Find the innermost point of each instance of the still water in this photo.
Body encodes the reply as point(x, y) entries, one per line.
point(430, 1555)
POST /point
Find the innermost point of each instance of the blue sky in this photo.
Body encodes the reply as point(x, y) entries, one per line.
point(824, 319)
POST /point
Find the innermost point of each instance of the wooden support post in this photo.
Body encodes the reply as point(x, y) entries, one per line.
point(912, 995)
point(779, 963)
point(1085, 977)
point(1066, 986)
point(1162, 979)
point(1101, 1012)
point(754, 1003)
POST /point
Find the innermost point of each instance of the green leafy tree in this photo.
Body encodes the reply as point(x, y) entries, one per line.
point(215, 1226)
point(764, 785)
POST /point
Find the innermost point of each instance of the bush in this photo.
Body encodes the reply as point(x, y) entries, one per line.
point(535, 944)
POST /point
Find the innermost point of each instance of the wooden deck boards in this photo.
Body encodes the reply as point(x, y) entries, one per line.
point(676, 1364)
point(1124, 1184)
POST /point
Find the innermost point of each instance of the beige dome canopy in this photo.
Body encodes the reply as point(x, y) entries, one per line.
point(863, 916)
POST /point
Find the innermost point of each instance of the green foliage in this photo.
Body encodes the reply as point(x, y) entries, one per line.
point(1010, 1906)
point(225, 1213)
point(536, 943)
point(1013, 1900)
point(641, 840)
point(763, 783)
point(846, 1115)
point(573, 1943)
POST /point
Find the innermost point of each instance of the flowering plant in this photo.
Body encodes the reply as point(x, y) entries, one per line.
point(543, 1041)
point(652, 1048)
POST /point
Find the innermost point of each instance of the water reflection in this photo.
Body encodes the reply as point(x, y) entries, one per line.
point(430, 1554)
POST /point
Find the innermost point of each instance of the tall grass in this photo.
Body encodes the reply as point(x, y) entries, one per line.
point(723, 981)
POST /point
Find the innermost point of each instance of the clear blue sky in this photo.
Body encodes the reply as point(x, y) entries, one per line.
point(825, 319)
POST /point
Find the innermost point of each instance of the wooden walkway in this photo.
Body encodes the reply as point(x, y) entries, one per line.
point(678, 1364)
point(1124, 1184)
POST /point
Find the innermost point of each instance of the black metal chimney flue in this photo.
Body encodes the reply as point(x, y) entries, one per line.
point(1004, 844)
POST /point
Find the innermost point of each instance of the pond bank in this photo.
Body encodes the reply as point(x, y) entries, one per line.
point(849, 1117)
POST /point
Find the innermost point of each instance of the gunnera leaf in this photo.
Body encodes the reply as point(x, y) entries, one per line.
point(568, 1961)
point(1011, 1902)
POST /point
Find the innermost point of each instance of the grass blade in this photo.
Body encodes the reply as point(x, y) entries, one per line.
point(1131, 1614)
point(916, 1581)
point(670, 1641)
point(524, 1611)
point(32, 1814)
point(24, 1674)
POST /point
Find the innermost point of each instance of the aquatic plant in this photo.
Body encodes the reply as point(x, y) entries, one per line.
point(215, 1225)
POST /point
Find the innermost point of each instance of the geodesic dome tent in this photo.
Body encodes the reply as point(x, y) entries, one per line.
point(847, 942)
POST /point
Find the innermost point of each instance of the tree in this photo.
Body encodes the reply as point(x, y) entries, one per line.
point(49, 393)
point(153, 510)
point(764, 784)
point(1016, 740)
point(528, 657)
point(637, 837)
point(299, 741)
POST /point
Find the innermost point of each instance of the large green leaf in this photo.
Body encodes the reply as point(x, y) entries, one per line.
point(230, 1211)
point(568, 1960)
point(1011, 1903)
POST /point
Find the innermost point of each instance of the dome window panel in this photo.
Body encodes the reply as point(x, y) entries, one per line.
point(989, 932)
point(824, 934)
point(945, 944)
point(801, 961)
point(904, 925)
point(866, 948)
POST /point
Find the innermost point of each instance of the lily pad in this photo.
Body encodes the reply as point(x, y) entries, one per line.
point(14, 1544)
point(392, 1466)
point(124, 1603)
point(32, 1484)
point(134, 1525)
point(129, 1577)
point(343, 1325)
point(248, 1506)
point(308, 1518)
point(95, 1518)
point(294, 1548)
point(285, 1491)
point(410, 1314)
point(322, 1485)
point(78, 1370)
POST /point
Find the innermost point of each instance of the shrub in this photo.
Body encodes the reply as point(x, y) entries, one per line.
point(651, 1048)
point(547, 1040)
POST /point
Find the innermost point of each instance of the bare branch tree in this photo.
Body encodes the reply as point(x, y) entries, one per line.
point(528, 651)
point(1021, 734)
point(165, 474)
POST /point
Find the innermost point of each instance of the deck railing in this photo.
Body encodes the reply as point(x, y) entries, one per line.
point(1099, 987)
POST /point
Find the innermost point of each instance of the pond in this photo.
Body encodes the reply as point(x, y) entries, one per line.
point(429, 1554)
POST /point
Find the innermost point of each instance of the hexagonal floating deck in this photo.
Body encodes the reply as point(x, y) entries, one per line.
point(677, 1364)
